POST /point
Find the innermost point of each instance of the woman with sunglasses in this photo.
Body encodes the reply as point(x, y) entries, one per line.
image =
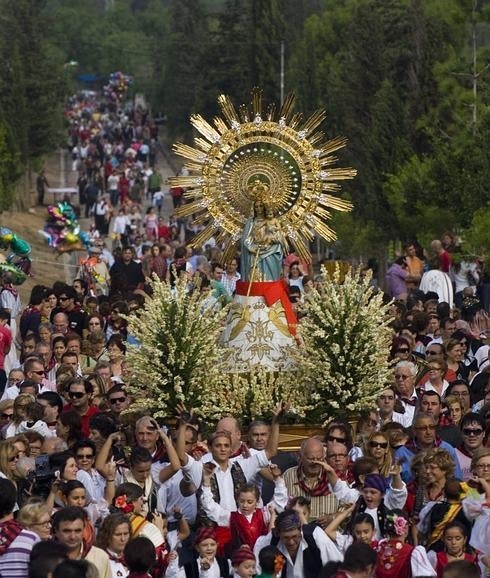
point(95, 323)
point(21, 402)
point(378, 447)
point(117, 325)
point(6, 414)
point(475, 504)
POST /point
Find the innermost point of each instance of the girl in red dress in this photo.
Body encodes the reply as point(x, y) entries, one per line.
point(396, 558)
point(455, 540)
point(248, 522)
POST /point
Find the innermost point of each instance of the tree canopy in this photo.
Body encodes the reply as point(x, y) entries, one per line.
point(401, 79)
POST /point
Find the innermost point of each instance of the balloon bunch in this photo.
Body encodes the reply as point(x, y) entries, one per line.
point(117, 86)
point(17, 265)
point(62, 231)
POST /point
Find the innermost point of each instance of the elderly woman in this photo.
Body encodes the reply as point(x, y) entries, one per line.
point(36, 517)
point(437, 382)
point(443, 495)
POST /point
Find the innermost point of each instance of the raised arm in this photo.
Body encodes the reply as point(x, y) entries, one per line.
point(332, 529)
point(174, 466)
point(273, 442)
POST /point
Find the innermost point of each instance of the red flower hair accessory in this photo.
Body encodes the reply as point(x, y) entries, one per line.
point(121, 504)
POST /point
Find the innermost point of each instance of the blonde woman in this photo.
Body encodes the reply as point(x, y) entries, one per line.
point(475, 504)
point(455, 408)
point(8, 461)
point(20, 404)
point(36, 517)
point(378, 447)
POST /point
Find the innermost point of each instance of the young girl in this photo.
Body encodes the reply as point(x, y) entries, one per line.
point(129, 500)
point(396, 558)
point(248, 522)
point(271, 562)
point(362, 530)
point(75, 494)
point(455, 538)
point(243, 562)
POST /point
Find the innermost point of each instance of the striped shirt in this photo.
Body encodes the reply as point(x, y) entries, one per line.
point(320, 505)
point(15, 562)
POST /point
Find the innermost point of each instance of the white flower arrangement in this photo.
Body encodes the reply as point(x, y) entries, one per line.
point(346, 338)
point(178, 359)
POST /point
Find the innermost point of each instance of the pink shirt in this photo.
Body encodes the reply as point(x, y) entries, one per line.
point(5, 342)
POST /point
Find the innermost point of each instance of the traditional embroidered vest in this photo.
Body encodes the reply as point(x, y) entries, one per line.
point(192, 568)
point(238, 478)
point(245, 532)
point(394, 560)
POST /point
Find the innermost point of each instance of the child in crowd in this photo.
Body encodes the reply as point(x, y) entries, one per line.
point(207, 563)
point(139, 555)
point(396, 558)
point(362, 529)
point(243, 562)
point(455, 539)
point(271, 562)
point(248, 522)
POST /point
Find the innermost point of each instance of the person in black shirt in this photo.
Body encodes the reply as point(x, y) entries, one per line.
point(126, 274)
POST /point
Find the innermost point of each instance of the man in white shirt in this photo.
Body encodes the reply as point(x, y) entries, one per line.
point(306, 549)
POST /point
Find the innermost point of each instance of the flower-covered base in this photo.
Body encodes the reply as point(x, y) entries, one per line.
point(259, 328)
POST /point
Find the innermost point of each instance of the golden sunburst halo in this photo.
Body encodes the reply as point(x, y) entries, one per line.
point(280, 150)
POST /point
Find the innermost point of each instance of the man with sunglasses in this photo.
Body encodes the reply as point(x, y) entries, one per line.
point(118, 401)
point(473, 434)
point(35, 371)
point(424, 438)
point(80, 395)
point(69, 306)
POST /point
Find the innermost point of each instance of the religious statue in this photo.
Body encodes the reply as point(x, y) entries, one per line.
point(262, 251)
point(265, 182)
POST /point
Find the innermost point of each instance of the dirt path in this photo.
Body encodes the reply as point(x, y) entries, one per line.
point(47, 265)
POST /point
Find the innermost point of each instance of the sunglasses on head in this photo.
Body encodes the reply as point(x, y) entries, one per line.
point(76, 394)
point(117, 400)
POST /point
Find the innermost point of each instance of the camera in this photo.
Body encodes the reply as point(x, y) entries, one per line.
point(42, 477)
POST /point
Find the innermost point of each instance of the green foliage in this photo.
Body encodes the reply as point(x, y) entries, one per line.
point(477, 238)
point(9, 170)
point(32, 89)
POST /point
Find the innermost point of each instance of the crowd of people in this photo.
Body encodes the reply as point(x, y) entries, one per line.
point(88, 490)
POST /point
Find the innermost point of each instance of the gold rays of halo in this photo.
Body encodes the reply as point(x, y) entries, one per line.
point(288, 155)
